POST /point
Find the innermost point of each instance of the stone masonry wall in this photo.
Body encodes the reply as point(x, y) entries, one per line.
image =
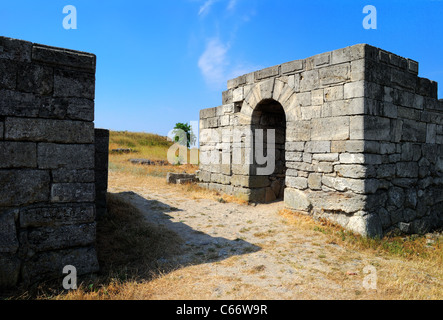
point(47, 155)
point(363, 143)
point(101, 170)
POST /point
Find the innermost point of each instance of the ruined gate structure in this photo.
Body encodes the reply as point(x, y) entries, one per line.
point(53, 163)
point(358, 140)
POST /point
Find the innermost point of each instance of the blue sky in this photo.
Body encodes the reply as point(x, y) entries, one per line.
point(160, 62)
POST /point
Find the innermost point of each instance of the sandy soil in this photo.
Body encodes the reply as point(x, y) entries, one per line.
point(234, 251)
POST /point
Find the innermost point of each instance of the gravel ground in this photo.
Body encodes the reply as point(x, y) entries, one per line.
point(252, 251)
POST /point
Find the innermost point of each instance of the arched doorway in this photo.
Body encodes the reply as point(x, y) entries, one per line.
point(269, 115)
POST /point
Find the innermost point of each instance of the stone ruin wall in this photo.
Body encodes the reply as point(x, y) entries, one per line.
point(363, 144)
point(48, 162)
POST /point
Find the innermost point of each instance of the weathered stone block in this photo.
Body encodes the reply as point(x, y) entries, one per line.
point(292, 66)
point(414, 131)
point(35, 79)
point(70, 156)
point(45, 130)
point(8, 233)
point(8, 76)
point(50, 264)
point(336, 128)
point(334, 74)
point(64, 57)
point(72, 192)
point(60, 237)
point(74, 84)
point(55, 215)
point(14, 103)
point(351, 171)
point(267, 73)
point(300, 183)
point(18, 154)
point(9, 270)
point(297, 200)
point(17, 50)
point(21, 187)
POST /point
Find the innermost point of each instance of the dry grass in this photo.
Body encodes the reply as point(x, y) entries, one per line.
point(411, 267)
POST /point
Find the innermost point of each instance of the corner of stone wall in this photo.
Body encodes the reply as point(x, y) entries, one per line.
point(47, 194)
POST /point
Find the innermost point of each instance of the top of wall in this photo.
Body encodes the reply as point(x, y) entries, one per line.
point(25, 51)
point(348, 54)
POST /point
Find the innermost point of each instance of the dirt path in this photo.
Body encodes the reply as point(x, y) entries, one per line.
point(233, 251)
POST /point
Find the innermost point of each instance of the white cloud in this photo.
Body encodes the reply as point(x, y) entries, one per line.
point(204, 9)
point(214, 62)
point(232, 4)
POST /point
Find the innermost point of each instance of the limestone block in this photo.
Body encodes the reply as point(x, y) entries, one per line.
point(250, 181)
point(65, 57)
point(344, 184)
point(207, 113)
point(72, 192)
point(13, 49)
point(314, 181)
point(227, 97)
point(50, 264)
point(348, 158)
point(70, 156)
point(294, 146)
point(43, 215)
point(318, 146)
point(354, 90)
point(358, 70)
point(60, 237)
point(407, 169)
point(267, 73)
point(300, 183)
point(14, 103)
point(237, 95)
point(8, 233)
point(18, 154)
point(293, 156)
point(234, 83)
point(351, 171)
point(298, 131)
point(296, 199)
point(292, 66)
point(35, 79)
point(333, 93)
point(74, 84)
point(22, 187)
point(322, 59)
point(336, 128)
point(330, 157)
point(1, 129)
point(45, 130)
point(9, 270)
point(368, 225)
point(343, 107)
point(8, 77)
point(414, 131)
point(348, 54)
point(370, 128)
point(309, 80)
point(335, 74)
point(293, 82)
point(348, 202)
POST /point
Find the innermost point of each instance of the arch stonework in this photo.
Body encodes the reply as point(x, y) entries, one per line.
point(364, 140)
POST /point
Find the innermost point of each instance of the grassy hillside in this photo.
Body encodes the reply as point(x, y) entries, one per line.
point(144, 146)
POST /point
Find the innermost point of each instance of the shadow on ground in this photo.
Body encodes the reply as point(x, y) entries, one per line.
point(138, 239)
